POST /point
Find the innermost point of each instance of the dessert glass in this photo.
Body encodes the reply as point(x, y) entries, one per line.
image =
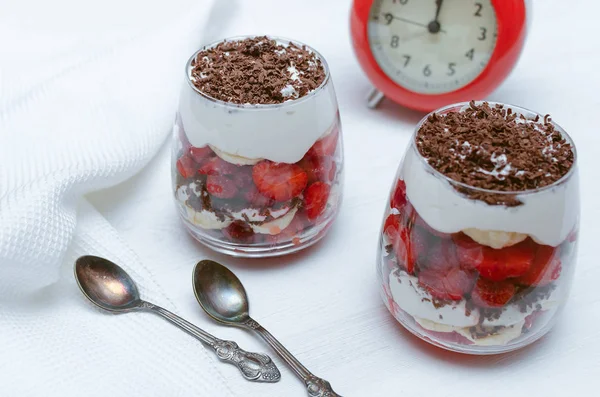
point(425, 247)
point(224, 153)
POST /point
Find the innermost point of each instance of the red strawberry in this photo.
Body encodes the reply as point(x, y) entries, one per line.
point(468, 252)
point(294, 229)
point(441, 256)
point(217, 166)
point(450, 284)
point(186, 166)
point(398, 199)
point(494, 264)
point(513, 261)
point(279, 181)
point(400, 239)
point(421, 241)
point(200, 153)
point(220, 186)
point(315, 199)
point(257, 200)
point(243, 177)
point(392, 221)
point(325, 146)
point(318, 168)
point(492, 294)
point(238, 232)
point(545, 269)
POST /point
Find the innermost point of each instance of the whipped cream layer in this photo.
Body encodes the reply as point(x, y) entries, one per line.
point(547, 216)
point(277, 132)
point(453, 317)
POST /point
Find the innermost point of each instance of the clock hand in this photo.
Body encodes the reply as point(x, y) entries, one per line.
point(435, 26)
point(389, 17)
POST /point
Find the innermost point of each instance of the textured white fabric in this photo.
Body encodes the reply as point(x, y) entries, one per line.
point(88, 92)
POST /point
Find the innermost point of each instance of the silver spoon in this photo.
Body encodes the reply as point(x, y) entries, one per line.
point(223, 297)
point(108, 286)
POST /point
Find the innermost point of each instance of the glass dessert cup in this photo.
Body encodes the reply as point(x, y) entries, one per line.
point(257, 180)
point(472, 277)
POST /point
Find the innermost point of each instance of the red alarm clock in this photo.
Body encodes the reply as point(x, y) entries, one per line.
point(425, 54)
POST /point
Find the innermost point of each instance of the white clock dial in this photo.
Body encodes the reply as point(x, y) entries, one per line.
point(432, 55)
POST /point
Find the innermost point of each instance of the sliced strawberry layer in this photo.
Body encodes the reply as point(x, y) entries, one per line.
point(217, 166)
point(325, 146)
point(492, 293)
point(256, 199)
point(545, 269)
point(199, 154)
point(221, 186)
point(238, 232)
point(318, 169)
point(399, 237)
point(441, 256)
point(450, 284)
point(495, 264)
point(279, 181)
point(398, 199)
point(243, 177)
point(186, 166)
point(315, 199)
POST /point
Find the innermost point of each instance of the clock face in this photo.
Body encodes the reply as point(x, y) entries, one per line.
point(430, 55)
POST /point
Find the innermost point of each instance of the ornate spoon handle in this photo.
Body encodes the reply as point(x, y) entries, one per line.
point(315, 386)
point(253, 366)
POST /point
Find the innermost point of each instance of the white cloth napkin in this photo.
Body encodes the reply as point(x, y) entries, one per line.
point(88, 92)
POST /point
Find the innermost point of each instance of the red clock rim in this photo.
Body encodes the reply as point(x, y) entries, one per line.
point(511, 16)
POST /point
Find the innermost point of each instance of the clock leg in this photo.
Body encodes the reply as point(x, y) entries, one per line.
point(375, 96)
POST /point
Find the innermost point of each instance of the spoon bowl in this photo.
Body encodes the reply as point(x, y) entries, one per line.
point(220, 293)
point(106, 284)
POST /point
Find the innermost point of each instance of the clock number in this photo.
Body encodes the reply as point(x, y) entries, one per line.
point(395, 40)
point(403, 2)
point(483, 34)
point(479, 8)
point(407, 57)
point(470, 54)
point(427, 71)
point(389, 18)
point(451, 69)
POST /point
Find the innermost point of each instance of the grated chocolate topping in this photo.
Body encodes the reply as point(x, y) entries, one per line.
point(257, 70)
point(494, 148)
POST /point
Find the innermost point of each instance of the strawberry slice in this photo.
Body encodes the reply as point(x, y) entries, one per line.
point(513, 261)
point(220, 186)
point(545, 269)
point(199, 154)
point(494, 264)
point(325, 146)
point(492, 294)
point(238, 231)
point(450, 284)
point(279, 181)
point(318, 169)
point(468, 252)
point(217, 166)
point(186, 166)
point(243, 177)
point(421, 241)
point(399, 237)
point(398, 199)
point(257, 200)
point(315, 199)
point(441, 256)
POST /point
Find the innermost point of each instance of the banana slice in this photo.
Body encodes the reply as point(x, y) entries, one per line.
point(233, 158)
point(495, 239)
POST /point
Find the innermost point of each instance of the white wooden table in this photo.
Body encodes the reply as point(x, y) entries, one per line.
point(323, 304)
